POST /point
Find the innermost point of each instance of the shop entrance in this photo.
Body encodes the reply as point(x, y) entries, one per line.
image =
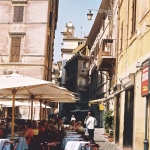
point(117, 119)
point(128, 118)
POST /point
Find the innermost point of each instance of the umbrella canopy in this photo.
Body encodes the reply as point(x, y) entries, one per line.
point(24, 87)
point(7, 103)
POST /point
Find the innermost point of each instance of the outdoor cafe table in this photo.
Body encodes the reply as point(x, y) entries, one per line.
point(2, 141)
point(69, 130)
point(76, 145)
point(66, 139)
point(71, 133)
point(22, 144)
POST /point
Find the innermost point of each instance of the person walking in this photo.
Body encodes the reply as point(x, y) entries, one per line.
point(90, 125)
point(86, 130)
point(73, 118)
point(86, 117)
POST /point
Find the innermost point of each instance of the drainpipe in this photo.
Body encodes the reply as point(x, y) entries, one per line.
point(146, 115)
point(127, 23)
point(117, 43)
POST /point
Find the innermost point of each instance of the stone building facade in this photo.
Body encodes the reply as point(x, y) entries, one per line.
point(102, 42)
point(70, 42)
point(27, 31)
point(133, 51)
point(130, 32)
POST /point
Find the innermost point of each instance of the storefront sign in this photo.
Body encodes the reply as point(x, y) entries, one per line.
point(128, 81)
point(145, 78)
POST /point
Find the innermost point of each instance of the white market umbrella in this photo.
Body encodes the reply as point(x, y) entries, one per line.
point(7, 103)
point(21, 86)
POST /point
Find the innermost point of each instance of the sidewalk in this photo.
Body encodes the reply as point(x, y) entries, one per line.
point(102, 141)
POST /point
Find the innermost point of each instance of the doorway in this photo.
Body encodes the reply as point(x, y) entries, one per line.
point(117, 119)
point(128, 118)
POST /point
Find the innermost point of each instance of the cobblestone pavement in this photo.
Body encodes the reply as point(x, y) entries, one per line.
point(103, 142)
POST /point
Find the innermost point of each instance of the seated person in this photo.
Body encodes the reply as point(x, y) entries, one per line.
point(60, 124)
point(72, 125)
point(8, 125)
point(27, 133)
point(79, 128)
point(41, 127)
point(19, 125)
point(35, 128)
point(52, 126)
point(54, 132)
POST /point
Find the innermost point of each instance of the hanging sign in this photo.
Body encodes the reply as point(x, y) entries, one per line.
point(145, 87)
point(101, 107)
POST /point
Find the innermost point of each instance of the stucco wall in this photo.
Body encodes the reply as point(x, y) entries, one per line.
point(135, 49)
point(34, 38)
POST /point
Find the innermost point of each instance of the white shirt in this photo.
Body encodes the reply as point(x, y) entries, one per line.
point(73, 118)
point(90, 122)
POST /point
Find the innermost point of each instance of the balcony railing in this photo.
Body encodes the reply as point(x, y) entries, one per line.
point(106, 54)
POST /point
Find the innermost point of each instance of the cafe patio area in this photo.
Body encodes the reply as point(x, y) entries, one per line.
point(48, 137)
point(39, 134)
point(44, 135)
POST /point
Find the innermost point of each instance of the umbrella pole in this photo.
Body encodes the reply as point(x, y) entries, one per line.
point(13, 112)
point(40, 109)
point(45, 110)
point(32, 97)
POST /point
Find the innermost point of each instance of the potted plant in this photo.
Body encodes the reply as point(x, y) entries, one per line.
point(106, 130)
point(110, 136)
point(108, 120)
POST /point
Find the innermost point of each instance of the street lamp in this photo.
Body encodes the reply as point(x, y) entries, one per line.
point(108, 12)
point(89, 15)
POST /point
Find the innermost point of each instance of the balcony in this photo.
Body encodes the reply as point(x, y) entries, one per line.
point(106, 56)
point(83, 80)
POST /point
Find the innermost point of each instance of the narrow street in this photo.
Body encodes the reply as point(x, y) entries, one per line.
point(103, 142)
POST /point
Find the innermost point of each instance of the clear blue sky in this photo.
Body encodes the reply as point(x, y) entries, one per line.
point(73, 11)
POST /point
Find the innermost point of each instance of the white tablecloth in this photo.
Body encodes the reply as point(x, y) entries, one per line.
point(65, 140)
point(71, 133)
point(22, 144)
point(75, 145)
point(69, 130)
point(2, 142)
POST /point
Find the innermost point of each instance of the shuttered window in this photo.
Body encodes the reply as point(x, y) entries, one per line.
point(133, 17)
point(121, 36)
point(15, 49)
point(18, 13)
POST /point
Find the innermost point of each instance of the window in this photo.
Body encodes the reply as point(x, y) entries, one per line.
point(84, 65)
point(121, 36)
point(133, 29)
point(79, 43)
point(103, 23)
point(18, 13)
point(15, 49)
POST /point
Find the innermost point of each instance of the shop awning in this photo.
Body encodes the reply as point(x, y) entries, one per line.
point(101, 100)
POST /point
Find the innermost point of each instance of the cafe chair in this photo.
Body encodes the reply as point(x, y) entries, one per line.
point(16, 142)
point(13, 144)
point(46, 146)
point(51, 146)
point(92, 146)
